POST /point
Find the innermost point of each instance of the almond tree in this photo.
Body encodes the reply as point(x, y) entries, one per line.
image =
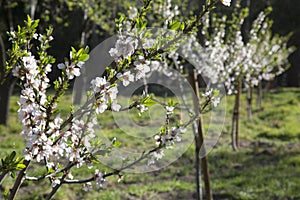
point(60, 144)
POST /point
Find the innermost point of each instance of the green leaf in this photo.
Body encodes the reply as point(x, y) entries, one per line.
point(9, 159)
point(28, 21)
point(5, 193)
point(13, 174)
point(174, 25)
point(80, 52)
point(116, 143)
point(94, 160)
point(148, 102)
point(84, 57)
point(20, 166)
point(140, 23)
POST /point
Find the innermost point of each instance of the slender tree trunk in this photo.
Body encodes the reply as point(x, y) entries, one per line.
point(6, 89)
point(233, 141)
point(259, 95)
point(237, 128)
point(235, 117)
point(204, 162)
point(199, 193)
point(6, 86)
point(199, 138)
point(249, 103)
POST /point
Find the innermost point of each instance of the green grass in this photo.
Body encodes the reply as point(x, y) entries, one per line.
point(267, 166)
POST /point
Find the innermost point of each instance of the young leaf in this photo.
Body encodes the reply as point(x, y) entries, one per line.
point(148, 102)
point(84, 57)
point(174, 25)
point(20, 166)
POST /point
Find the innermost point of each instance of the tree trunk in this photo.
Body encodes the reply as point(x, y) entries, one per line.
point(199, 138)
point(199, 193)
point(6, 89)
point(237, 128)
point(249, 103)
point(233, 144)
point(259, 95)
point(235, 117)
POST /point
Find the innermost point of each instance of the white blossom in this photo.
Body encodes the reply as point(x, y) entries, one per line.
point(99, 180)
point(142, 67)
point(124, 47)
point(55, 181)
point(170, 110)
point(226, 2)
point(87, 187)
point(126, 77)
point(141, 108)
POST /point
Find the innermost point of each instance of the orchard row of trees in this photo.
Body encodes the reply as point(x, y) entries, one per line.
point(88, 25)
point(220, 49)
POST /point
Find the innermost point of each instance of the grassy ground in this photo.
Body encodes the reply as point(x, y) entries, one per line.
point(267, 165)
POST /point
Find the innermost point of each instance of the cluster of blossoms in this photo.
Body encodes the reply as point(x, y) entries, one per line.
point(32, 112)
point(72, 69)
point(269, 57)
point(33, 98)
point(209, 95)
point(167, 11)
point(124, 47)
point(107, 94)
point(48, 138)
point(52, 140)
point(100, 182)
point(227, 61)
point(166, 138)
